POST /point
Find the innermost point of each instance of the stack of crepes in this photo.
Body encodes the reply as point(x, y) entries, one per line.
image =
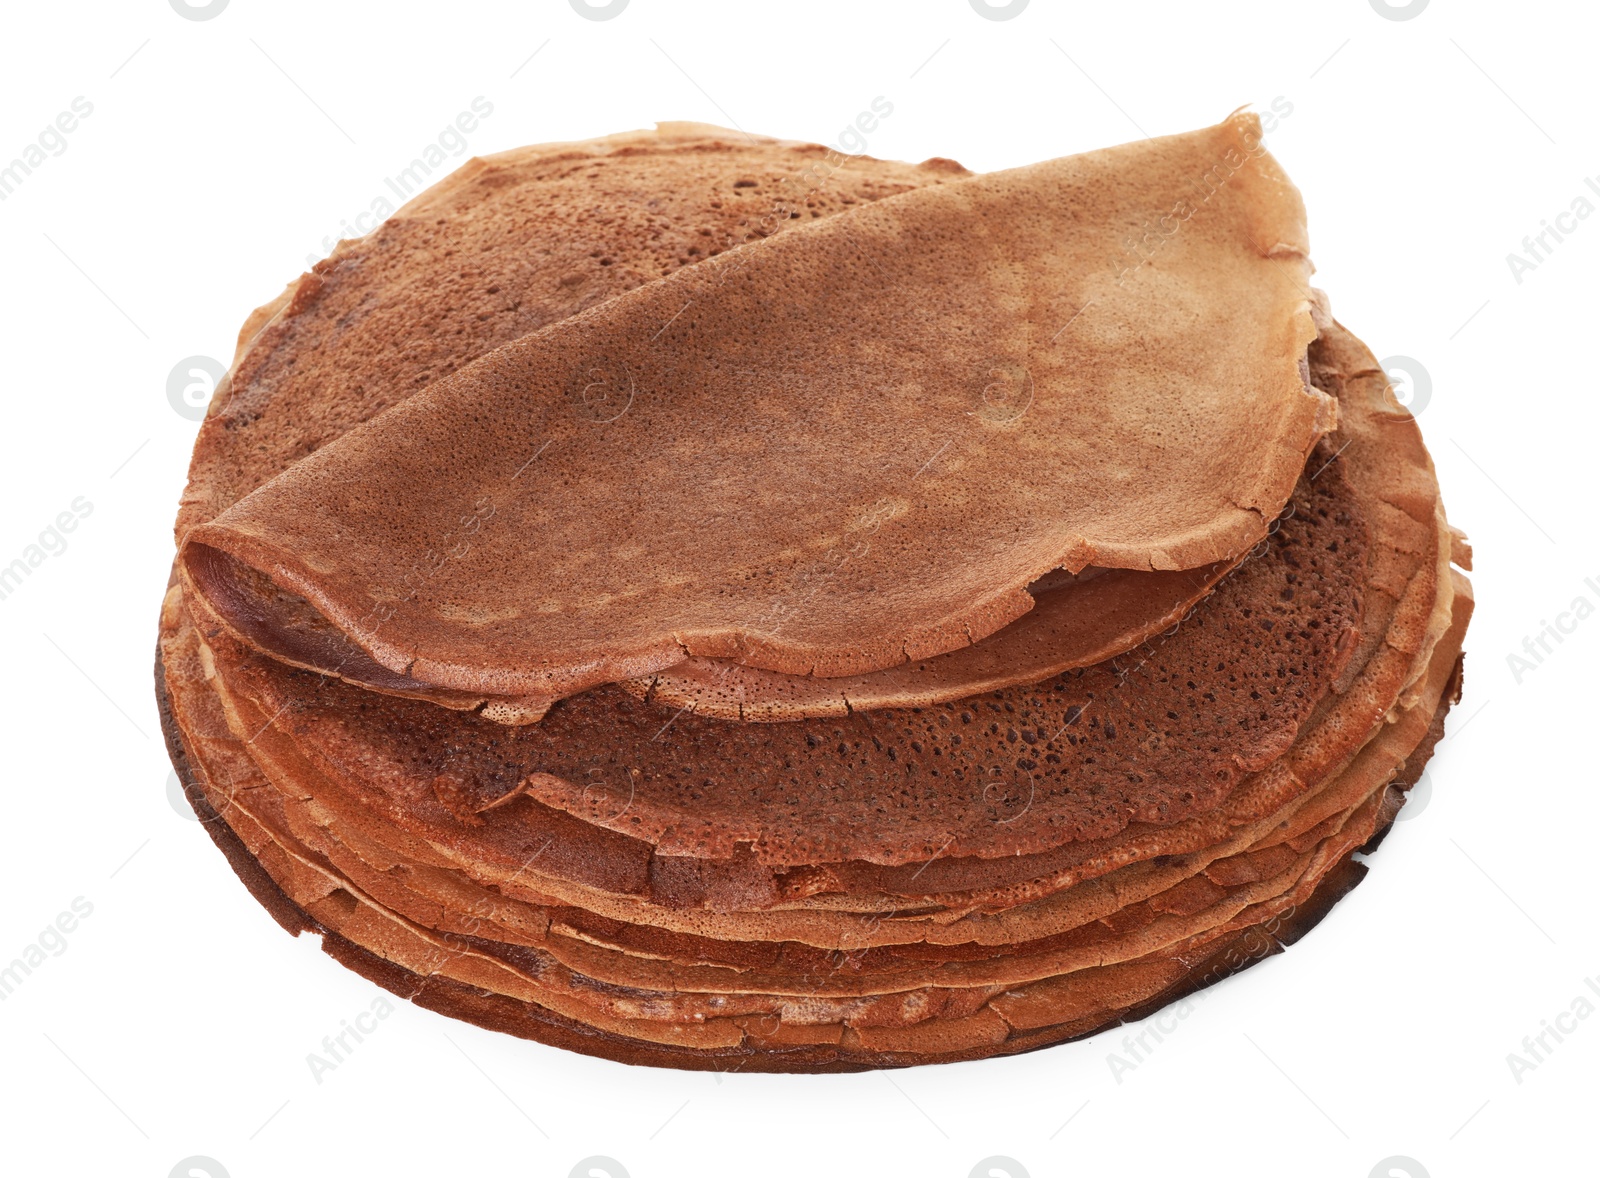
point(699, 600)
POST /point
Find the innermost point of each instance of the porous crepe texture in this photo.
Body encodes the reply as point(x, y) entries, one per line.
point(649, 526)
point(503, 246)
point(890, 964)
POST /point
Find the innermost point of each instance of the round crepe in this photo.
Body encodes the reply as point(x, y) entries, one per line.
point(562, 513)
point(958, 973)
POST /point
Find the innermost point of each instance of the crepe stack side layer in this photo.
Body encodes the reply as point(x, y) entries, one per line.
point(704, 601)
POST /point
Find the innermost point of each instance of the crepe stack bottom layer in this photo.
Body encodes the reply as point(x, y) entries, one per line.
point(639, 878)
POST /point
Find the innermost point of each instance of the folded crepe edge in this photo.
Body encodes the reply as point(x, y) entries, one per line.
point(209, 552)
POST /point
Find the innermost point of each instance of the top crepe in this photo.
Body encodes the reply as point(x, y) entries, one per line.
point(827, 452)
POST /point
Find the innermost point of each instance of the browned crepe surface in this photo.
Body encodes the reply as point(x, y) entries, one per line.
point(505, 245)
point(678, 543)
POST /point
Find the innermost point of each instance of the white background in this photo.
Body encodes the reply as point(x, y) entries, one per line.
point(221, 152)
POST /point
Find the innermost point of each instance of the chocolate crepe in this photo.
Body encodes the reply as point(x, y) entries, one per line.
point(700, 896)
